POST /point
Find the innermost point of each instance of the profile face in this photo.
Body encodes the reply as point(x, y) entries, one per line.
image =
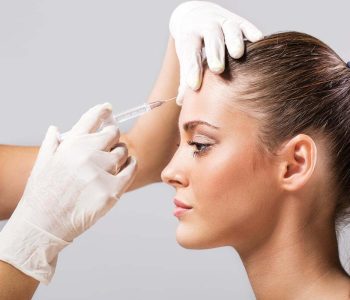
point(226, 192)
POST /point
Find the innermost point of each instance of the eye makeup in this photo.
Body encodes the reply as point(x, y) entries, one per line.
point(201, 143)
point(199, 137)
point(201, 148)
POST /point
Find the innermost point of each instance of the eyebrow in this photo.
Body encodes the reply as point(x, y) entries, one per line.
point(191, 125)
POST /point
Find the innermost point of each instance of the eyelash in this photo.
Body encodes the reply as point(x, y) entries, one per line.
point(201, 148)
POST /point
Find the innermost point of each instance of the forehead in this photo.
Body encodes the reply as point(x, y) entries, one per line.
point(213, 103)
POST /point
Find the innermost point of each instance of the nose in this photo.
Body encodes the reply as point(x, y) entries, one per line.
point(175, 174)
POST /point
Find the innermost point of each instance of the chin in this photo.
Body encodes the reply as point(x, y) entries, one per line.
point(193, 240)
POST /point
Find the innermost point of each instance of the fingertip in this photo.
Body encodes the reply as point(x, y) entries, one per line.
point(179, 101)
point(180, 96)
point(52, 128)
point(133, 162)
point(106, 111)
point(237, 51)
point(121, 150)
point(255, 35)
point(216, 65)
point(258, 35)
point(107, 106)
point(194, 79)
point(252, 33)
point(51, 140)
point(52, 131)
point(217, 69)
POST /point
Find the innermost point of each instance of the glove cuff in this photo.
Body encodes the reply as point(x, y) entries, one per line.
point(30, 249)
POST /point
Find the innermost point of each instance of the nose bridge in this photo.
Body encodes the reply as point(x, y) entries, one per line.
point(175, 173)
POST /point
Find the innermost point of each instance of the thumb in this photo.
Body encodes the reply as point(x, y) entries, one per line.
point(47, 149)
point(125, 177)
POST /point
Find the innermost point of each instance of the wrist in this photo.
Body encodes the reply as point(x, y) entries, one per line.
point(30, 249)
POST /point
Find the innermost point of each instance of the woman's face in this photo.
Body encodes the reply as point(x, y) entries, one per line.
point(220, 174)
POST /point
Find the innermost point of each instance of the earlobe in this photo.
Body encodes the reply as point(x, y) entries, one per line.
point(298, 161)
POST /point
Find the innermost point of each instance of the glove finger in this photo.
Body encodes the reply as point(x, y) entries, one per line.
point(182, 88)
point(215, 49)
point(111, 161)
point(104, 140)
point(250, 31)
point(92, 119)
point(124, 178)
point(109, 120)
point(120, 157)
point(233, 38)
point(189, 54)
point(47, 149)
point(180, 94)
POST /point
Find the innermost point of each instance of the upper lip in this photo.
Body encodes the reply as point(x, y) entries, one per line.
point(178, 203)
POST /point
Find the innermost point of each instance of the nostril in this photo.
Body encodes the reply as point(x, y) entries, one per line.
point(168, 177)
point(174, 183)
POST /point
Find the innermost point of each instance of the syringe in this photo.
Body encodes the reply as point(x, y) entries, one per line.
point(133, 112)
point(139, 110)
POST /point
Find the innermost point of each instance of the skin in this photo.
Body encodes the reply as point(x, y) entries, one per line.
point(158, 126)
point(277, 211)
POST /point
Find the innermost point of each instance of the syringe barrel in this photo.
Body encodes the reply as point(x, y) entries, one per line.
point(132, 113)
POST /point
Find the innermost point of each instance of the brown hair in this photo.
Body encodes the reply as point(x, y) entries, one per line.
point(297, 84)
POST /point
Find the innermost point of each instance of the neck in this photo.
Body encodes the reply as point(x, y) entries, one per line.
point(300, 263)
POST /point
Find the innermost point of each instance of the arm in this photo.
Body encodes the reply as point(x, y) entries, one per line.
point(16, 163)
point(153, 138)
point(18, 285)
point(151, 141)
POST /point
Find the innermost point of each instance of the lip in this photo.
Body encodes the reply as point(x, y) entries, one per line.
point(181, 208)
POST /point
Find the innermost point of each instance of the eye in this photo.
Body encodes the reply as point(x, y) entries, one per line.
point(201, 148)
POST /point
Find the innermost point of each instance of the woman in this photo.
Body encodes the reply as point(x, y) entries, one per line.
point(29, 245)
point(210, 212)
point(263, 166)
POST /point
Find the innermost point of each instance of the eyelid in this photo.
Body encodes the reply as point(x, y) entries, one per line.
point(202, 151)
point(204, 139)
point(198, 138)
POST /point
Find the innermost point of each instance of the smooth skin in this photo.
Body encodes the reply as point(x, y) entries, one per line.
point(16, 163)
point(277, 211)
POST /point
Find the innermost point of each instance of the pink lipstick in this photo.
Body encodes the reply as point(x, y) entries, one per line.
point(181, 208)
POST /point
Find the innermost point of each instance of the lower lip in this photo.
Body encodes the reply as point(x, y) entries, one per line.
point(179, 211)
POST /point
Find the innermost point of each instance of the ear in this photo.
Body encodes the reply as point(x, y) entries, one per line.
point(297, 161)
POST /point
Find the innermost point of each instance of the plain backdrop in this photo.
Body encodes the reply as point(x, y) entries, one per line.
point(58, 58)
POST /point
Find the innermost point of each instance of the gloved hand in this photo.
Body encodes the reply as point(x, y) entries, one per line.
point(193, 22)
point(71, 186)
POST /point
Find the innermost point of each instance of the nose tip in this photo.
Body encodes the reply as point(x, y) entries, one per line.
point(166, 176)
point(172, 178)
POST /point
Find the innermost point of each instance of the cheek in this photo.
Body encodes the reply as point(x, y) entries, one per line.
point(230, 189)
point(223, 174)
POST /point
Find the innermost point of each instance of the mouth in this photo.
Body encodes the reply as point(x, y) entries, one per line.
point(181, 208)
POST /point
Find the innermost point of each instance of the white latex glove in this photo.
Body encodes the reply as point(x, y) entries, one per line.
point(195, 22)
point(71, 186)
